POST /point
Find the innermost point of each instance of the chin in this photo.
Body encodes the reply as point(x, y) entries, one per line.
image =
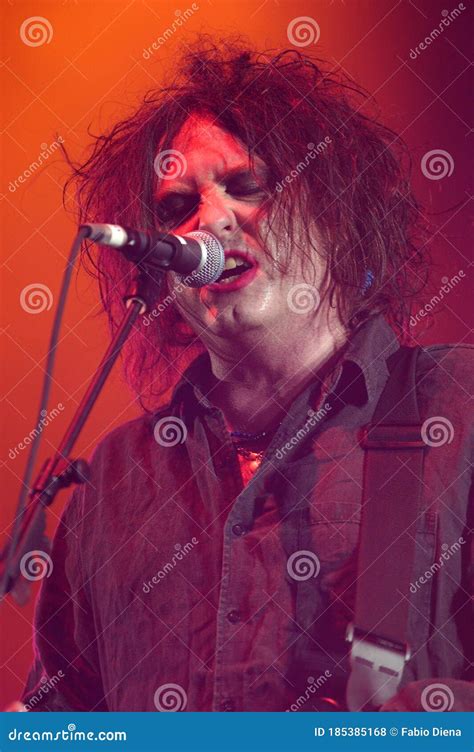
point(240, 320)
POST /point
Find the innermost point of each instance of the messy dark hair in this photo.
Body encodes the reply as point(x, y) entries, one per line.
point(329, 163)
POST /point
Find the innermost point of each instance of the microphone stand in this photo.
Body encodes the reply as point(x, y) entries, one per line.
point(61, 470)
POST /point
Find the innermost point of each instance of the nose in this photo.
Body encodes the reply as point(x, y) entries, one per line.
point(217, 216)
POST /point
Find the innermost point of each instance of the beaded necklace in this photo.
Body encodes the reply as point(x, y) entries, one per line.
point(246, 444)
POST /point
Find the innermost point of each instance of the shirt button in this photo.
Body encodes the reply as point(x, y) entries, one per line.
point(239, 530)
point(234, 617)
point(227, 706)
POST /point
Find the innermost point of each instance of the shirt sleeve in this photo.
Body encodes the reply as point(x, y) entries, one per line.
point(65, 675)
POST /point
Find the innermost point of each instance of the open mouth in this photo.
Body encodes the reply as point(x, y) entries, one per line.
point(239, 270)
point(234, 267)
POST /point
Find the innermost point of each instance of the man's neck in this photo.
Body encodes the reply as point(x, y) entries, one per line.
point(254, 387)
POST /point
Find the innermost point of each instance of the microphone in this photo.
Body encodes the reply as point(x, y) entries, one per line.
point(197, 257)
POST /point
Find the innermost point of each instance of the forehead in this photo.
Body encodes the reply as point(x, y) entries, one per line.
point(206, 146)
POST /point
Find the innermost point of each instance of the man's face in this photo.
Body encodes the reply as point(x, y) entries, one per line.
point(218, 192)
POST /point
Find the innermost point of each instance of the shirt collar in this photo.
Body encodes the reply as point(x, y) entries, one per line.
point(364, 357)
point(368, 349)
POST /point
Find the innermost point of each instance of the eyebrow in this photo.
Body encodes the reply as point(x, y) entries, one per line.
point(243, 169)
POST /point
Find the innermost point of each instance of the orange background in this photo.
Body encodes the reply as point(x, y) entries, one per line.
point(91, 71)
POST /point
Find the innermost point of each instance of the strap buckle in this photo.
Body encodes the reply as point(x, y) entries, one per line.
point(392, 436)
point(377, 666)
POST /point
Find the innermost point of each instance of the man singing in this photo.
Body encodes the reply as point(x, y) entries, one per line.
point(213, 560)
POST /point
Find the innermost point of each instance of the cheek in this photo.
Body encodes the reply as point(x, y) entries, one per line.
point(192, 306)
point(267, 299)
point(187, 302)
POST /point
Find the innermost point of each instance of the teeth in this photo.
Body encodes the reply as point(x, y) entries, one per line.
point(232, 262)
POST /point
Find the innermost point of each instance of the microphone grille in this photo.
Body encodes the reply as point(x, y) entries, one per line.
point(213, 265)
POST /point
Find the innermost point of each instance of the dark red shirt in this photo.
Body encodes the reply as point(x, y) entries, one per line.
point(175, 584)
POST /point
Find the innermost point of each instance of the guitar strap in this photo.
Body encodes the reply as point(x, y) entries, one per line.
point(393, 477)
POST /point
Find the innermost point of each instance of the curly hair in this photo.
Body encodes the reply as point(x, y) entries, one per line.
point(285, 108)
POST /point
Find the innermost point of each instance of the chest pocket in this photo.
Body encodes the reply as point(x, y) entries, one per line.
point(331, 529)
point(325, 598)
point(330, 504)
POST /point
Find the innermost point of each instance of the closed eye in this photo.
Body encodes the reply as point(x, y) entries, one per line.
point(244, 184)
point(176, 208)
point(240, 189)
